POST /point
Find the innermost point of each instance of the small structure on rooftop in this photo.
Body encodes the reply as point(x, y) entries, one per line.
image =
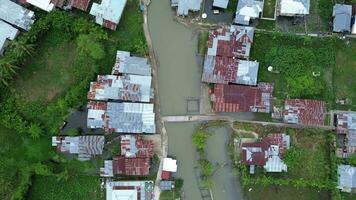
point(127, 190)
point(239, 98)
point(221, 3)
point(108, 13)
point(121, 117)
point(125, 88)
point(342, 18)
point(292, 8)
point(134, 159)
point(7, 32)
point(16, 15)
point(267, 153)
point(247, 10)
point(346, 178)
point(304, 111)
point(127, 64)
point(184, 6)
point(85, 146)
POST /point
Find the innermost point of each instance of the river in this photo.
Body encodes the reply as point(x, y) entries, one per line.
point(179, 74)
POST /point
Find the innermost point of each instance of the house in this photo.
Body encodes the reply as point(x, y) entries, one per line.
point(7, 32)
point(169, 166)
point(16, 15)
point(221, 3)
point(292, 8)
point(134, 159)
point(225, 70)
point(304, 111)
point(346, 125)
point(135, 190)
point(239, 98)
point(121, 117)
point(85, 146)
point(342, 18)
point(108, 13)
point(247, 10)
point(79, 4)
point(267, 153)
point(46, 5)
point(347, 178)
point(184, 6)
point(127, 64)
point(125, 88)
point(234, 42)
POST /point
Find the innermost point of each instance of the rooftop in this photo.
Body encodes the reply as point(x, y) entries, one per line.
point(304, 111)
point(347, 177)
point(134, 146)
point(129, 190)
point(121, 117)
point(238, 98)
point(108, 13)
point(248, 9)
point(345, 122)
point(169, 165)
point(294, 7)
point(7, 32)
point(126, 88)
point(221, 3)
point(127, 64)
point(184, 6)
point(268, 152)
point(16, 15)
point(342, 18)
point(79, 4)
point(226, 70)
point(45, 5)
point(85, 146)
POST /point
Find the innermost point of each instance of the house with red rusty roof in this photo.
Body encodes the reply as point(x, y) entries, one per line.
point(346, 127)
point(268, 152)
point(304, 111)
point(134, 160)
point(79, 4)
point(240, 98)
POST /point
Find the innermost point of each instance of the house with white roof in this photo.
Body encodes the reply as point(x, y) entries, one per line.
point(184, 6)
point(16, 15)
point(129, 190)
point(7, 32)
point(346, 178)
point(221, 3)
point(293, 7)
point(108, 13)
point(45, 5)
point(247, 10)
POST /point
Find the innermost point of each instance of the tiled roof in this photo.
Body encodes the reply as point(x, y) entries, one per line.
point(304, 111)
point(238, 98)
point(80, 4)
point(267, 152)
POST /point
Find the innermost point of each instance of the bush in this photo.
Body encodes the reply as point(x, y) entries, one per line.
point(72, 132)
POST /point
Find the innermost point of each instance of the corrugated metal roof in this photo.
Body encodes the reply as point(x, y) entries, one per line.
point(221, 3)
point(141, 190)
point(248, 9)
point(127, 88)
point(45, 5)
point(108, 10)
point(7, 32)
point(126, 64)
point(79, 4)
point(342, 18)
point(239, 98)
point(134, 146)
point(304, 111)
point(294, 7)
point(16, 14)
point(347, 177)
point(184, 6)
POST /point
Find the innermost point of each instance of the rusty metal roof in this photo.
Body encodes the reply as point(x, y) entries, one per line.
point(304, 111)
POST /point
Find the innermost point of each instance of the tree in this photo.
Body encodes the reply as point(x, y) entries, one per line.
point(20, 49)
point(88, 44)
point(199, 139)
point(41, 169)
point(72, 132)
point(35, 131)
point(206, 167)
point(352, 160)
point(7, 70)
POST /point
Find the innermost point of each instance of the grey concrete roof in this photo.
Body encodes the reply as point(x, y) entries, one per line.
point(184, 6)
point(16, 14)
point(347, 176)
point(221, 3)
point(342, 18)
point(248, 9)
point(7, 32)
point(294, 7)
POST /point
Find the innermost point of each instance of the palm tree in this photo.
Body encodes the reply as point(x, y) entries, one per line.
point(7, 70)
point(20, 48)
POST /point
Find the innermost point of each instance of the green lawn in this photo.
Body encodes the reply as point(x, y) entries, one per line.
point(284, 193)
point(76, 187)
point(231, 7)
point(266, 24)
point(269, 8)
point(202, 40)
point(344, 82)
point(294, 59)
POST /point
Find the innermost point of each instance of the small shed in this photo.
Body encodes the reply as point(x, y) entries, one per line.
point(342, 18)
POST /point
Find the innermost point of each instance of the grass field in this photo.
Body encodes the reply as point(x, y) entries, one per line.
point(284, 193)
point(269, 8)
point(202, 39)
point(344, 82)
point(76, 187)
point(266, 24)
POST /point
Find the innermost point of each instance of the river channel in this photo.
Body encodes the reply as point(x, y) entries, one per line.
point(179, 74)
